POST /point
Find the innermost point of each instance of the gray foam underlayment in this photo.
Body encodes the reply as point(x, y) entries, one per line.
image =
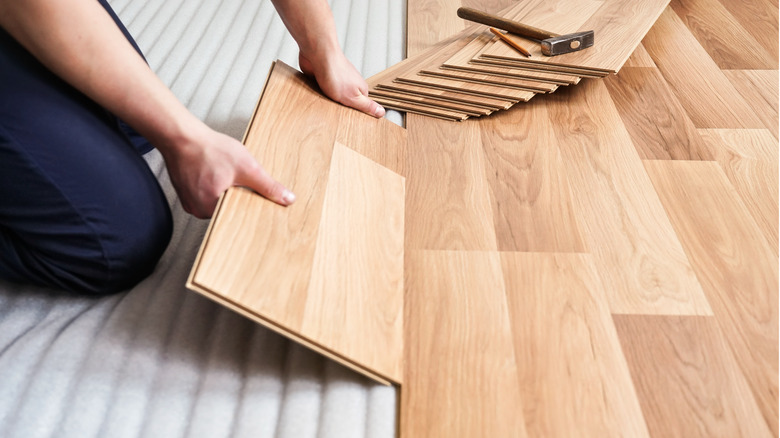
point(159, 361)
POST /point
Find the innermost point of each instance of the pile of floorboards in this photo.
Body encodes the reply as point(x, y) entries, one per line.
point(473, 73)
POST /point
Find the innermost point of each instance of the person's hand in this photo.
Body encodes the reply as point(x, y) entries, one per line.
point(207, 163)
point(340, 81)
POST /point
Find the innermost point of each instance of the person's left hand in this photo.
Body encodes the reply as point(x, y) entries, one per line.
point(340, 81)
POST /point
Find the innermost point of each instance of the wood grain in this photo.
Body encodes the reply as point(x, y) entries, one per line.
point(760, 90)
point(428, 109)
point(354, 303)
point(688, 382)
point(529, 189)
point(760, 18)
point(461, 378)
point(447, 195)
point(574, 380)
point(749, 159)
point(479, 89)
point(275, 264)
point(640, 58)
point(695, 78)
point(734, 264)
point(470, 110)
point(724, 39)
point(659, 126)
point(639, 258)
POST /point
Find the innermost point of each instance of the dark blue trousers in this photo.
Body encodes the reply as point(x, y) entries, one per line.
point(80, 210)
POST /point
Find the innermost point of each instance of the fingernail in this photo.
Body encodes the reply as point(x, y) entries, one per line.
point(288, 197)
point(379, 111)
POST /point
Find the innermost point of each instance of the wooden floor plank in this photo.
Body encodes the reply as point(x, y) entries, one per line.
point(489, 78)
point(574, 379)
point(749, 159)
point(450, 96)
point(640, 58)
point(461, 375)
point(721, 35)
point(447, 194)
point(658, 124)
point(438, 103)
point(688, 382)
point(760, 18)
point(462, 60)
point(530, 194)
point(639, 258)
point(337, 303)
point(280, 273)
point(734, 263)
point(760, 90)
point(701, 87)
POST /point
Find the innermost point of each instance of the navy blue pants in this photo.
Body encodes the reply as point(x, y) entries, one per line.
point(80, 210)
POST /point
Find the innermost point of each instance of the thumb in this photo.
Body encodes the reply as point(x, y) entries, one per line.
point(257, 179)
point(363, 103)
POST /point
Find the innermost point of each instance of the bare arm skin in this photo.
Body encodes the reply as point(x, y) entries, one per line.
point(79, 42)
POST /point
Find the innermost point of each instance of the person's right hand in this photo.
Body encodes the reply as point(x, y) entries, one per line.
point(206, 163)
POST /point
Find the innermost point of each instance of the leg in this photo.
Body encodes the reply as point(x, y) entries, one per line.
point(79, 208)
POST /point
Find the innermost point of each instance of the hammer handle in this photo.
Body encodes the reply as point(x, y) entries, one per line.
point(504, 24)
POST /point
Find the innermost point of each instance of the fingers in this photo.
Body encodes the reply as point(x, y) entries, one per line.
point(363, 103)
point(257, 179)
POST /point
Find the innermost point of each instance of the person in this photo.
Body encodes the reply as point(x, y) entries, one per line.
point(79, 208)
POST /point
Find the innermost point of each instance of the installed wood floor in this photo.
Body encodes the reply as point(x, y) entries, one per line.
point(601, 261)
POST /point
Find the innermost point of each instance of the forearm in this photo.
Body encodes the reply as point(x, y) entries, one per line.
point(79, 42)
point(311, 24)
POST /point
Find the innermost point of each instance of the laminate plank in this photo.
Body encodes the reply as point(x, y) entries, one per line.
point(376, 139)
point(760, 90)
point(640, 58)
point(275, 264)
point(659, 126)
point(695, 78)
point(574, 380)
point(487, 90)
point(430, 21)
point(448, 201)
point(721, 35)
point(530, 194)
point(749, 159)
point(760, 18)
point(462, 60)
point(640, 260)
point(619, 27)
point(449, 96)
point(426, 100)
point(429, 110)
point(536, 66)
point(461, 376)
point(354, 302)
point(488, 78)
point(688, 382)
point(734, 264)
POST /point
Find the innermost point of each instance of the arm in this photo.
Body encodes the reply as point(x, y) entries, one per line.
point(311, 24)
point(79, 42)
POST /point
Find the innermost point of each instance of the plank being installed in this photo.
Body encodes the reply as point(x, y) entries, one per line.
point(328, 270)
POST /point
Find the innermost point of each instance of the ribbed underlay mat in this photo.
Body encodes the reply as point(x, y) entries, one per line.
point(159, 361)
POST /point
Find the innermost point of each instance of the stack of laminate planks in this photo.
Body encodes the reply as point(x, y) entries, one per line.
point(473, 73)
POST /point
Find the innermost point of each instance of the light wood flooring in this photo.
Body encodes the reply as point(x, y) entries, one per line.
point(601, 261)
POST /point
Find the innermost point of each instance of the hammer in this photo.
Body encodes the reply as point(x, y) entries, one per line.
point(552, 43)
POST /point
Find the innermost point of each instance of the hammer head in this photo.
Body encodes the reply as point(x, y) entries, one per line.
point(568, 43)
